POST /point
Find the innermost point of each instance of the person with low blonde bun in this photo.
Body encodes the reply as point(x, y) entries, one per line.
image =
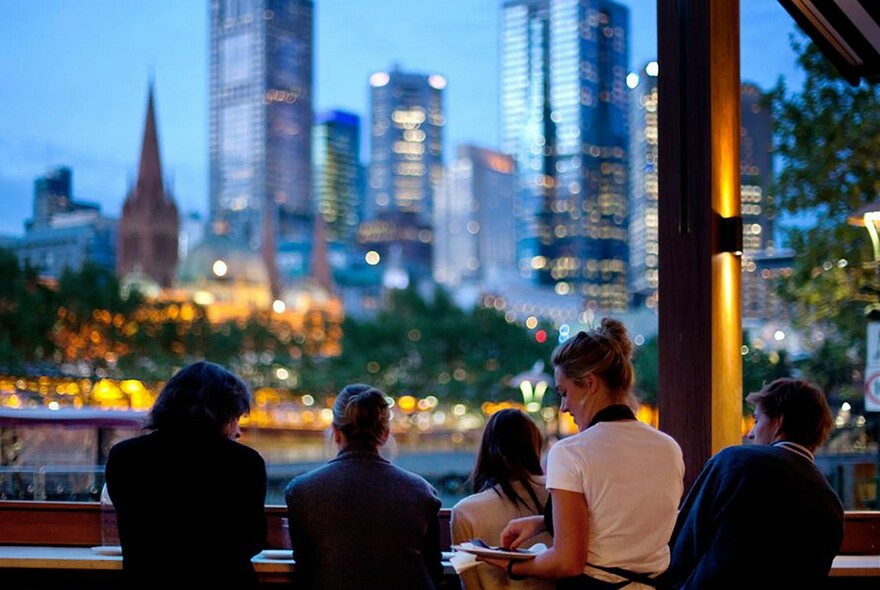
point(359, 522)
point(614, 487)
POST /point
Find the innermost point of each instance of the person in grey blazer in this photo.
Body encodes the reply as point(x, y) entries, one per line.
point(359, 522)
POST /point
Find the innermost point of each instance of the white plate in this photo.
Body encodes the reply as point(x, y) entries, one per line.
point(277, 554)
point(521, 554)
point(108, 550)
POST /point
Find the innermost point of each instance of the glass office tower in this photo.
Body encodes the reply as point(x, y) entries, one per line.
point(644, 221)
point(756, 171)
point(261, 120)
point(336, 157)
point(474, 222)
point(564, 113)
point(406, 164)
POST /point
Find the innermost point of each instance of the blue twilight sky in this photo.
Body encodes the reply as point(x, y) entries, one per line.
point(75, 76)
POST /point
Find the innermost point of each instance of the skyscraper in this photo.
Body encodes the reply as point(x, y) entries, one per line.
point(644, 231)
point(473, 218)
point(756, 170)
point(406, 162)
point(261, 121)
point(336, 155)
point(564, 117)
point(51, 195)
point(149, 225)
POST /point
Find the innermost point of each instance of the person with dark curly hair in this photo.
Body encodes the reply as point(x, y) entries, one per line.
point(359, 522)
point(189, 498)
point(763, 507)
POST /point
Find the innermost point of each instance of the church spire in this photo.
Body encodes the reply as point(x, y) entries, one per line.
point(149, 222)
point(149, 182)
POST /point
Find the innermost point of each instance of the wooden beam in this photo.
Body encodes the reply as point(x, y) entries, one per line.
point(700, 325)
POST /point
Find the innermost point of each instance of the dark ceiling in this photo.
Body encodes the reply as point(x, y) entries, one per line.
point(847, 32)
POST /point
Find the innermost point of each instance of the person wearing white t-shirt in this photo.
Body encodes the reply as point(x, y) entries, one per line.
point(615, 487)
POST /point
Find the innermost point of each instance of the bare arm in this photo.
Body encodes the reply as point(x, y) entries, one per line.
point(520, 530)
point(569, 552)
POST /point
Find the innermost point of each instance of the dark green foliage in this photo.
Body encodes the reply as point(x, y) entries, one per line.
point(828, 140)
point(414, 345)
point(431, 346)
point(26, 315)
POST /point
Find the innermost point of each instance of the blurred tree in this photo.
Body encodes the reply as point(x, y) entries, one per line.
point(430, 346)
point(27, 308)
point(828, 137)
point(647, 364)
point(835, 368)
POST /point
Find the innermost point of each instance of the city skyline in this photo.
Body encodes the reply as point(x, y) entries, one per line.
point(58, 111)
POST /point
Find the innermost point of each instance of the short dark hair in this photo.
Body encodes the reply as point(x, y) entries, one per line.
point(806, 417)
point(363, 416)
point(510, 451)
point(200, 399)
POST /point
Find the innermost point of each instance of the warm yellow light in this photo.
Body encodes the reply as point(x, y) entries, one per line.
point(531, 322)
point(372, 257)
point(407, 403)
point(278, 306)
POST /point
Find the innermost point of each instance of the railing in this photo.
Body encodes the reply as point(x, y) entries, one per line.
point(79, 525)
point(53, 483)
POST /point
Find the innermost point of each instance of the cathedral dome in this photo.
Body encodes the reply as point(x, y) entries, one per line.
point(220, 259)
point(138, 280)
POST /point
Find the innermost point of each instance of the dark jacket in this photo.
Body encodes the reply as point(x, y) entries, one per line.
point(190, 510)
point(757, 517)
point(361, 523)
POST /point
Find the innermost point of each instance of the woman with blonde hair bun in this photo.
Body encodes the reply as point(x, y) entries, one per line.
point(360, 522)
point(614, 487)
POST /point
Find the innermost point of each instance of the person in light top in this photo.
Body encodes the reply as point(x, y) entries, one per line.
point(763, 507)
point(508, 483)
point(614, 487)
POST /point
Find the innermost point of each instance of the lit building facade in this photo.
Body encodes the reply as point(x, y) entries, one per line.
point(69, 241)
point(474, 226)
point(644, 231)
point(65, 233)
point(756, 171)
point(564, 117)
point(261, 61)
point(337, 177)
point(762, 274)
point(406, 163)
point(52, 195)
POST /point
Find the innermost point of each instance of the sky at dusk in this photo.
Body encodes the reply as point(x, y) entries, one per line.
point(76, 72)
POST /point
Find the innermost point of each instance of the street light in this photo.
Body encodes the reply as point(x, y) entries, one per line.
point(868, 217)
point(533, 384)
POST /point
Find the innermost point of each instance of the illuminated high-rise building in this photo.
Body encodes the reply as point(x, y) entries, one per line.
point(473, 218)
point(336, 173)
point(644, 229)
point(756, 171)
point(52, 195)
point(261, 122)
point(406, 163)
point(564, 113)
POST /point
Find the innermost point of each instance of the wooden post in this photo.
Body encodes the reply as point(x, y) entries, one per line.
point(700, 325)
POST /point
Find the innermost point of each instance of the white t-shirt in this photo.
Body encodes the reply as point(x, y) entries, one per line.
point(632, 478)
